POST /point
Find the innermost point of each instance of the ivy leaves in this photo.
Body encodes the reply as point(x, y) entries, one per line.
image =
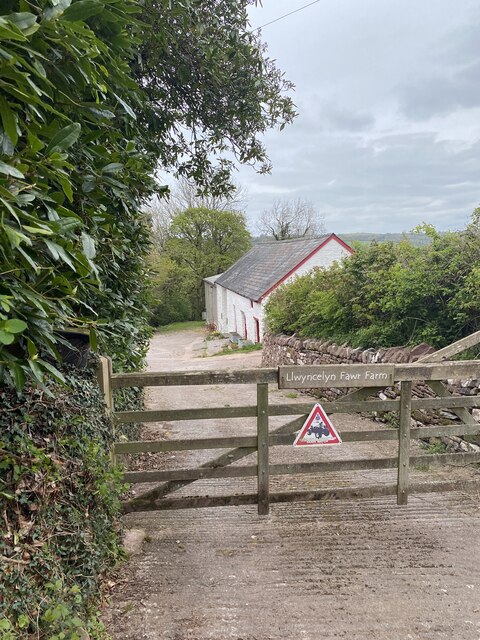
point(59, 500)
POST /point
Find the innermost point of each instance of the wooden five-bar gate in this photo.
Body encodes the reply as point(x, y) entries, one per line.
point(366, 381)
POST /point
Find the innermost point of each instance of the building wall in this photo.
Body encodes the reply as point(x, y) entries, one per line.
point(210, 303)
point(230, 305)
point(230, 319)
point(331, 252)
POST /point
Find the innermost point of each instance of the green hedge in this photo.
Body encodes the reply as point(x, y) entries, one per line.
point(74, 173)
point(59, 501)
point(388, 294)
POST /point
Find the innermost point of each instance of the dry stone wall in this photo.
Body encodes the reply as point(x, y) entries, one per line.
point(290, 350)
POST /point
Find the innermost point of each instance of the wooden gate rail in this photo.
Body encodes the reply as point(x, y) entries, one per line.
point(246, 471)
point(342, 493)
point(153, 446)
point(292, 409)
point(183, 378)
point(457, 369)
point(432, 372)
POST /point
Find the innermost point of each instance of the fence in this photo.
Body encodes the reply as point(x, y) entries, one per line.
point(430, 369)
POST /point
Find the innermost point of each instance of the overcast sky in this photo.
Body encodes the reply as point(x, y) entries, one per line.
point(388, 95)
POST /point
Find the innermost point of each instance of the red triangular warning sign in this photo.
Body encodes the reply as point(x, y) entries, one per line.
point(317, 429)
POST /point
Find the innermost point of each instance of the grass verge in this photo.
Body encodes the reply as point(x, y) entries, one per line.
point(181, 326)
point(228, 350)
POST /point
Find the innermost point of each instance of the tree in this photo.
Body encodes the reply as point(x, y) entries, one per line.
point(206, 242)
point(212, 91)
point(172, 285)
point(94, 99)
point(388, 294)
point(185, 194)
point(291, 219)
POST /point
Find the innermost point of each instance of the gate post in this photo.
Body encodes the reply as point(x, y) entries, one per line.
point(262, 449)
point(404, 441)
point(104, 376)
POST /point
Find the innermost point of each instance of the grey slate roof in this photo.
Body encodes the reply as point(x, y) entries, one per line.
point(265, 264)
point(212, 279)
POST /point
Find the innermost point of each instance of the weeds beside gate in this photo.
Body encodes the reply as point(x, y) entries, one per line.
point(431, 369)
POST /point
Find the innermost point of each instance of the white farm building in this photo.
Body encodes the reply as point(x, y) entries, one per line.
point(235, 299)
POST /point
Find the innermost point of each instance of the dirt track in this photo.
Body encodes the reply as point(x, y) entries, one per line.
point(355, 570)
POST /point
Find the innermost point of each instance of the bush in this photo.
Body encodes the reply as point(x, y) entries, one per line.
point(388, 294)
point(59, 500)
point(171, 291)
point(74, 172)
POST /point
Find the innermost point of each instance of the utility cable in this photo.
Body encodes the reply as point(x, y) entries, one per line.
point(305, 6)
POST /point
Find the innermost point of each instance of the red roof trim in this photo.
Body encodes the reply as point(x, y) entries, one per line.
point(332, 236)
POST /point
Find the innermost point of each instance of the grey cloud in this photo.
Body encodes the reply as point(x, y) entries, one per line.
point(462, 45)
point(440, 94)
point(389, 100)
point(337, 117)
point(449, 79)
point(390, 183)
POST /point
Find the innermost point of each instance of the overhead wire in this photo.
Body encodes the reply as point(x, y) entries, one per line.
point(305, 6)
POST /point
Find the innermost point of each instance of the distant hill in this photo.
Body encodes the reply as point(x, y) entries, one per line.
point(417, 239)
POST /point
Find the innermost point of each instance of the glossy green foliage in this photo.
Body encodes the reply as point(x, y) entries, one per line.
point(389, 294)
point(73, 175)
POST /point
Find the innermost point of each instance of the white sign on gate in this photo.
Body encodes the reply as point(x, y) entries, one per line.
point(317, 430)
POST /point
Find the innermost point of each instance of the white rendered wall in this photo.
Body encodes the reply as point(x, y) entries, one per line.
point(230, 307)
point(238, 304)
point(210, 303)
point(332, 252)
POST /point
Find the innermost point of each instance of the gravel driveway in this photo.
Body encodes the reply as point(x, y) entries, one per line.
point(359, 570)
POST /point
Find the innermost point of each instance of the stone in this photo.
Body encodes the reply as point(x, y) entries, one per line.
point(133, 541)
point(380, 355)
point(419, 351)
point(448, 414)
point(283, 349)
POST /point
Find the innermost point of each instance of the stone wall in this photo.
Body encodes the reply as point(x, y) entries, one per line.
point(281, 349)
point(290, 350)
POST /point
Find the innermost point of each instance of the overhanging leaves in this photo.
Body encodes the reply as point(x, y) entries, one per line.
point(64, 138)
point(94, 96)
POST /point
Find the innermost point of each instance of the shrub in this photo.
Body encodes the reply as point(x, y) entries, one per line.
point(59, 499)
point(387, 294)
point(73, 175)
